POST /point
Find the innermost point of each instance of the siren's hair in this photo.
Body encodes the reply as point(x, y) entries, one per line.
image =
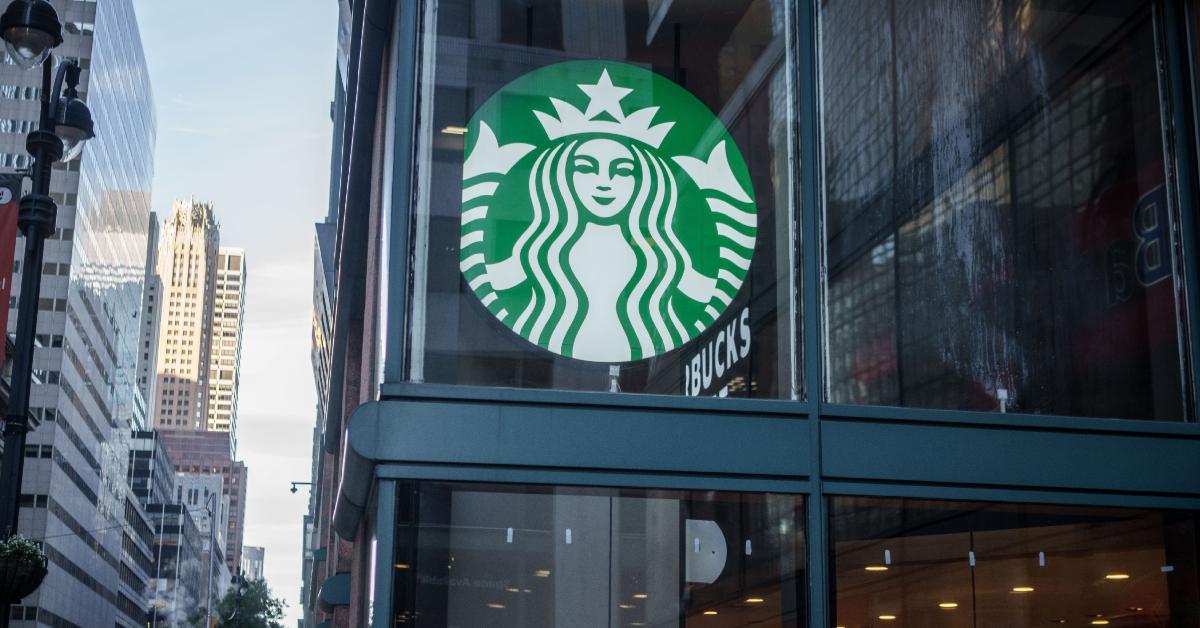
point(644, 306)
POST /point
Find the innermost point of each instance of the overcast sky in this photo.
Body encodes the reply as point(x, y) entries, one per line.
point(242, 91)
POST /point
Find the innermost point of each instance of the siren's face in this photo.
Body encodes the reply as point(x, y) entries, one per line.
point(602, 175)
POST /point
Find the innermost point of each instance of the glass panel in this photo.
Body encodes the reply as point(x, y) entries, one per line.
point(607, 202)
point(498, 556)
point(901, 562)
point(999, 221)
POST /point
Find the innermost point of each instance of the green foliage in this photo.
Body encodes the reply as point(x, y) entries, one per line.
point(17, 547)
point(254, 608)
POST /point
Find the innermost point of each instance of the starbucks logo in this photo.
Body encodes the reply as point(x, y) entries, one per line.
point(606, 213)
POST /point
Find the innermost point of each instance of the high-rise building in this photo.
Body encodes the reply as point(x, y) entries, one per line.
point(252, 562)
point(180, 575)
point(204, 497)
point(187, 264)
point(211, 452)
point(151, 474)
point(85, 396)
point(229, 303)
point(151, 308)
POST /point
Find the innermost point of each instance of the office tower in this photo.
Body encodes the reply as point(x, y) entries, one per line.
point(229, 302)
point(180, 575)
point(187, 263)
point(179, 553)
point(151, 474)
point(252, 562)
point(204, 496)
point(151, 308)
point(85, 397)
point(211, 452)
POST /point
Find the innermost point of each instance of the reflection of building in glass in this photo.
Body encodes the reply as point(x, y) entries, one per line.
point(979, 158)
point(732, 56)
point(74, 493)
point(982, 192)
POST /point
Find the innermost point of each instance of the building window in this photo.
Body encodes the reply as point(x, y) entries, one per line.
point(622, 223)
point(999, 217)
point(590, 557)
point(927, 563)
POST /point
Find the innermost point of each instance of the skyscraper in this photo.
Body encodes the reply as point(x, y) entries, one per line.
point(151, 307)
point(74, 494)
point(187, 268)
point(229, 298)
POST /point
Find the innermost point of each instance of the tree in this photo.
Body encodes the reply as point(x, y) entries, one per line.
point(247, 604)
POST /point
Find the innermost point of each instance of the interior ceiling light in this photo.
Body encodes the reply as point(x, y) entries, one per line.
point(710, 612)
point(948, 605)
point(876, 568)
point(1022, 589)
point(1116, 576)
point(887, 617)
point(754, 600)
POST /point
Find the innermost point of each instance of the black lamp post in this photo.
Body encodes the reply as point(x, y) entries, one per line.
point(30, 29)
point(296, 485)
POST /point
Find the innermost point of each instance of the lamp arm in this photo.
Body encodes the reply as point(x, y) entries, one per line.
point(59, 76)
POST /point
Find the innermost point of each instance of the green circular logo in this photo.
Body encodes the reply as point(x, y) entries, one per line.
point(606, 213)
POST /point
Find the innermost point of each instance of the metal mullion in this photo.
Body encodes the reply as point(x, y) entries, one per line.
point(385, 552)
point(1183, 142)
point(1000, 494)
point(1016, 421)
point(808, 111)
point(489, 474)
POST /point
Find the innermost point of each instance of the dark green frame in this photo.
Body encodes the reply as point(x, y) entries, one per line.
point(809, 447)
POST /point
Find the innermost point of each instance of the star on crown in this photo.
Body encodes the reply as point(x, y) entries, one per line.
point(603, 97)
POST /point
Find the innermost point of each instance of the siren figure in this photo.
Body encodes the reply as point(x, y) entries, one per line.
point(600, 258)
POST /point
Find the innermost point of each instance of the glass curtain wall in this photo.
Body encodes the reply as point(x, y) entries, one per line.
point(1000, 223)
point(515, 556)
point(608, 204)
point(903, 562)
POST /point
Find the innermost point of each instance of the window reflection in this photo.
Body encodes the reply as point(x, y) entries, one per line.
point(998, 216)
point(732, 56)
point(487, 555)
point(925, 563)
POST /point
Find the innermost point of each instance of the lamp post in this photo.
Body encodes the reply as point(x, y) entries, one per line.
point(298, 484)
point(30, 29)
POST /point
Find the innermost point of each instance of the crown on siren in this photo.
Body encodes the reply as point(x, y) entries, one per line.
point(603, 97)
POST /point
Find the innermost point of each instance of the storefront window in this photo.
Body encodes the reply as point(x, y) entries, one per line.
point(517, 556)
point(1000, 224)
point(924, 563)
point(607, 204)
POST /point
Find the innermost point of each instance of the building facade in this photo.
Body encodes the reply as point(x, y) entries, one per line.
point(252, 562)
point(151, 309)
point(74, 494)
point(199, 455)
point(204, 496)
point(187, 270)
point(765, 312)
point(179, 577)
point(225, 354)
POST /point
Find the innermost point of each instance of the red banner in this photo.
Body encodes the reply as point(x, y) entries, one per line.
point(10, 194)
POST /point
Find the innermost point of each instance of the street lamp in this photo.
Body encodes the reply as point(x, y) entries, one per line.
point(297, 484)
point(30, 29)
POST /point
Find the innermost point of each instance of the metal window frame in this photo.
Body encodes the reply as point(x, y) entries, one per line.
point(478, 434)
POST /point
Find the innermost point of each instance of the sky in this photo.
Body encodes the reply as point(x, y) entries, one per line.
point(242, 91)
